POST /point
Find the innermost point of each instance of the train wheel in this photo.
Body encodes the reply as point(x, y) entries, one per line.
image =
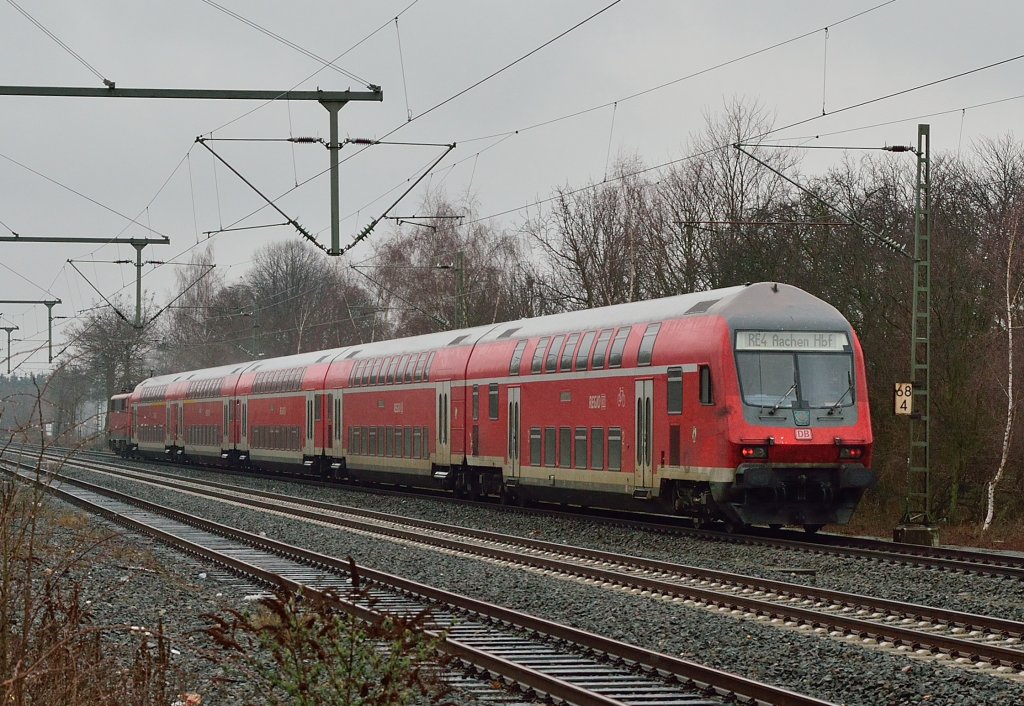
point(811, 529)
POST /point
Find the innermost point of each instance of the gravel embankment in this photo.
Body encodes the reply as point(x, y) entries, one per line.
point(826, 668)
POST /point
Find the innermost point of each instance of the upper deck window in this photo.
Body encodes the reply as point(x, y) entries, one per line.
point(567, 352)
point(618, 346)
point(647, 344)
point(551, 362)
point(601, 349)
point(538, 355)
point(583, 354)
point(517, 358)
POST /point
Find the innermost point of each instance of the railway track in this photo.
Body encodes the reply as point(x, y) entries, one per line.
point(916, 629)
point(550, 660)
point(967, 561)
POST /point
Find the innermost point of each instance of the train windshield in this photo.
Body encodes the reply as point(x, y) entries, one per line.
point(779, 372)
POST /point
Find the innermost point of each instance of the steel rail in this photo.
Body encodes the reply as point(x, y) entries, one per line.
point(969, 561)
point(917, 639)
point(950, 617)
point(724, 683)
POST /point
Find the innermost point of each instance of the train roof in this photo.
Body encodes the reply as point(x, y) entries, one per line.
point(189, 375)
point(761, 305)
point(774, 306)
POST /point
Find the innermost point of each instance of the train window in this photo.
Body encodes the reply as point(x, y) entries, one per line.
point(417, 443)
point(601, 349)
point(381, 435)
point(674, 395)
point(538, 355)
point(398, 442)
point(430, 364)
point(618, 346)
point(364, 372)
point(581, 447)
point(389, 449)
point(583, 354)
point(614, 449)
point(534, 446)
point(597, 448)
point(296, 444)
point(421, 363)
point(476, 402)
point(389, 377)
point(377, 376)
point(410, 368)
point(400, 370)
point(353, 440)
point(517, 358)
point(567, 352)
point(551, 363)
point(409, 440)
point(706, 392)
point(550, 451)
point(565, 447)
point(426, 443)
point(647, 344)
point(492, 398)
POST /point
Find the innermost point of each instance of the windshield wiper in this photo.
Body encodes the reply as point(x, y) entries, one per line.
point(782, 399)
point(849, 389)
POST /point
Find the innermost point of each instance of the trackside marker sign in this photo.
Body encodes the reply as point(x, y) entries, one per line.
point(903, 398)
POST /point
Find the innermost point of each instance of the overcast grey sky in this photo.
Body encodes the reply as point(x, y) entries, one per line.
point(138, 158)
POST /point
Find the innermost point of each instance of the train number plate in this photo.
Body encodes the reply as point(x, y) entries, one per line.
point(802, 434)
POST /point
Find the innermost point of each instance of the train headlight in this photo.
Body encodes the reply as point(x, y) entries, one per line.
point(754, 452)
point(851, 452)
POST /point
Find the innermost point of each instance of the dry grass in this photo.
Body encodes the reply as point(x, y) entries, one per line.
point(877, 517)
point(53, 651)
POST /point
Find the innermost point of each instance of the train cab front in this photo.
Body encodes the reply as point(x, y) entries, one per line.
point(801, 438)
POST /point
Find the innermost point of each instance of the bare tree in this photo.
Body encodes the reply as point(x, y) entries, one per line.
point(718, 201)
point(415, 273)
point(599, 242)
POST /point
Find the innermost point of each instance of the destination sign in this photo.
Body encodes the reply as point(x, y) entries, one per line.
point(830, 341)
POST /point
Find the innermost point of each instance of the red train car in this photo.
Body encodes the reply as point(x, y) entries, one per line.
point(119, 433)
point(746, 404)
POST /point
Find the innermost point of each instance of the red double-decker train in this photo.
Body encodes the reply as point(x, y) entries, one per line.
point(746, 405)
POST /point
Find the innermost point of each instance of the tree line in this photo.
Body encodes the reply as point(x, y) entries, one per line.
point(716, 219)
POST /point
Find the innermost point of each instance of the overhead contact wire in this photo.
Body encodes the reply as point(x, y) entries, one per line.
point(62, 44)
point(401, 62)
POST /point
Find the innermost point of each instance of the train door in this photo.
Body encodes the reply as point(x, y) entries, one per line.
point(642, 474)
point(338, 436)
point(174, 429)
point(225, 441)
point(514, 441)
point(329, 421)
point(444, 423)
point(236, 422)
point(243, 435)
point(321, 422)
point(312, 415)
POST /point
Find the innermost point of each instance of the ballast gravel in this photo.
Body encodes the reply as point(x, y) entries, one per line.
point(830, 669)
